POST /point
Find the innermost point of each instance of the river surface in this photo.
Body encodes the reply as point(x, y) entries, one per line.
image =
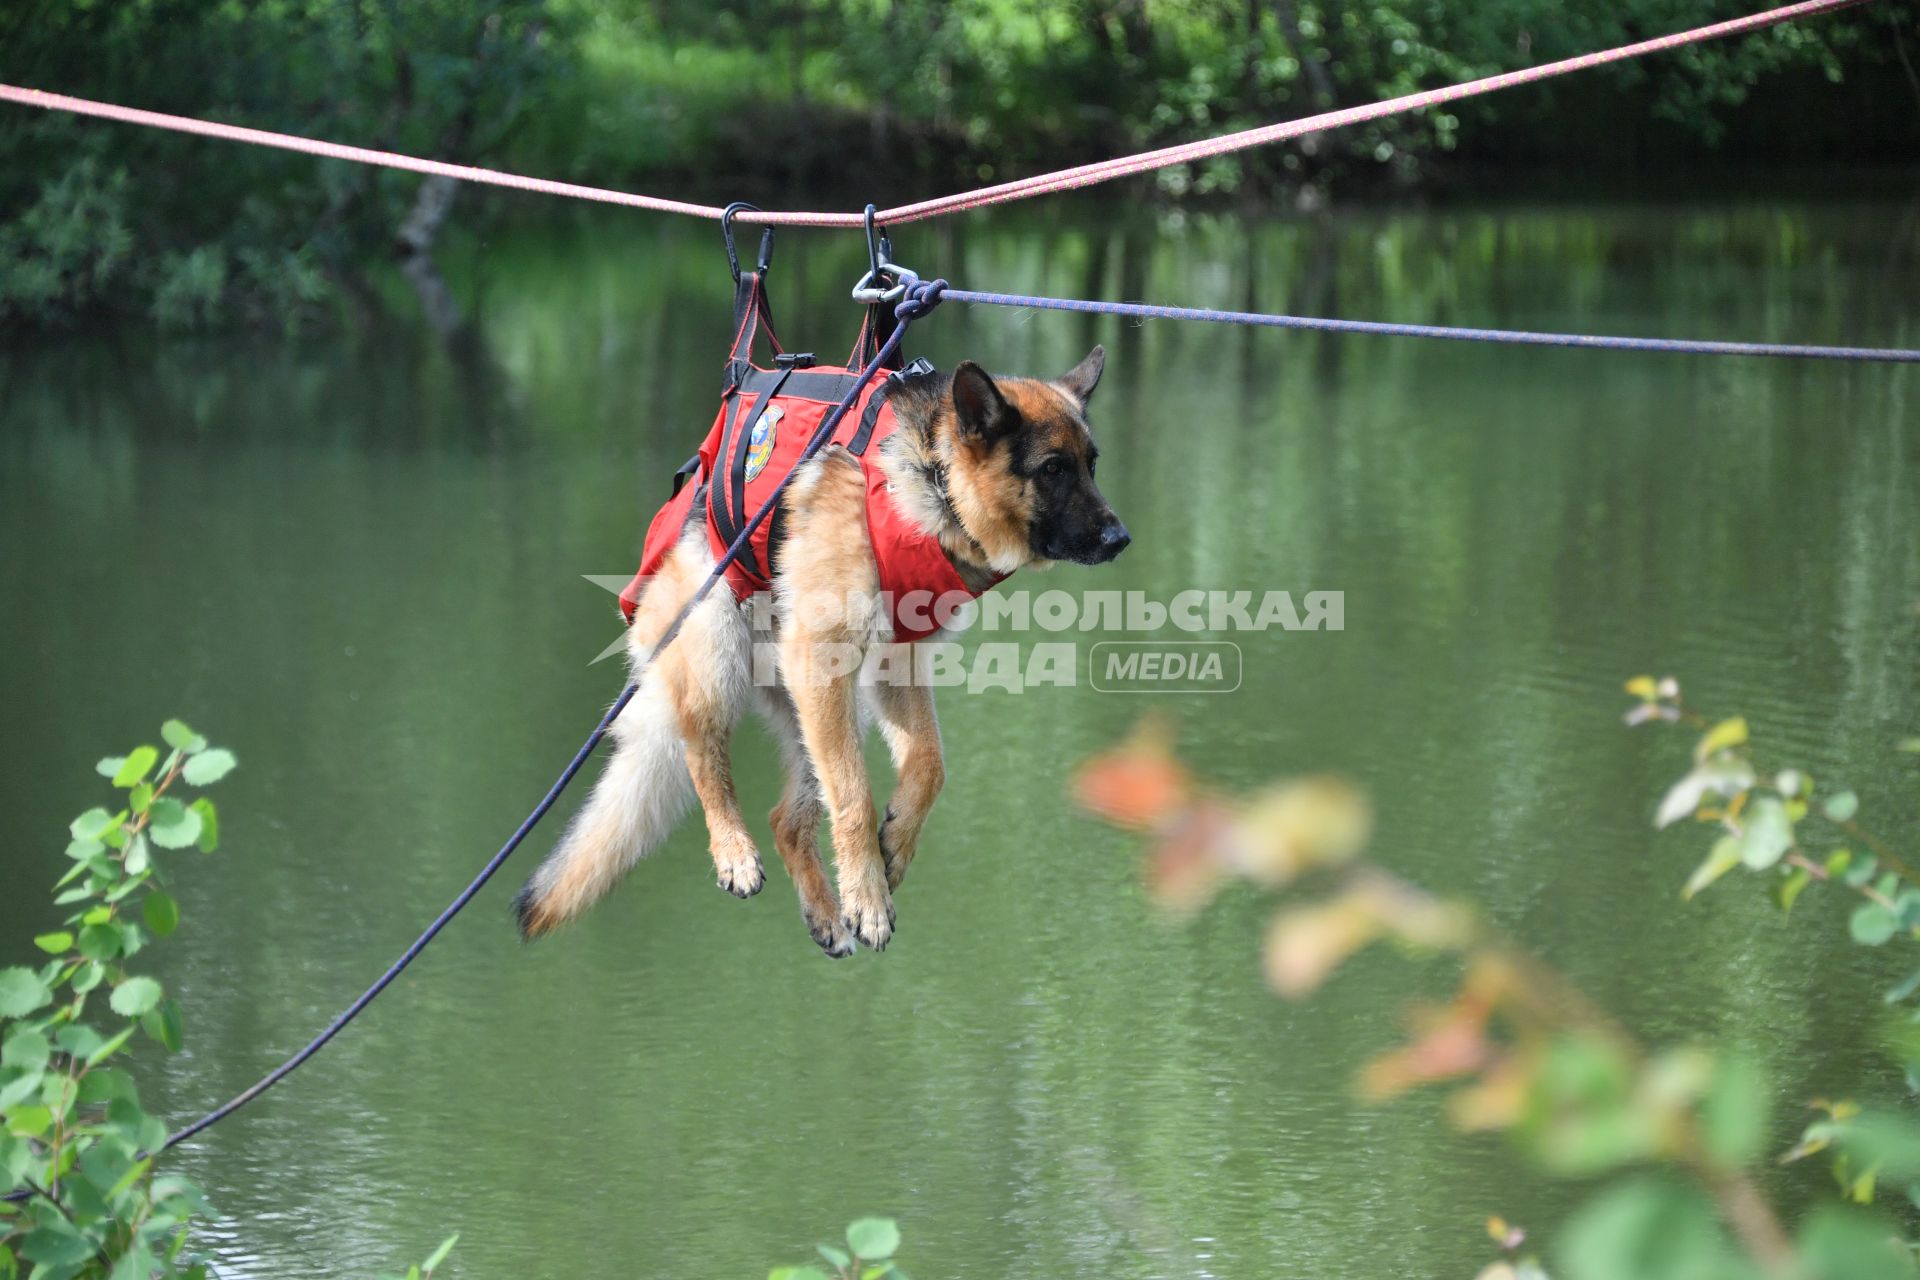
point(357, 558)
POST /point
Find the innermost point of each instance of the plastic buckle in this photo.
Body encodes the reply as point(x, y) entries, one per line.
point(794, 360)
point(920, 367)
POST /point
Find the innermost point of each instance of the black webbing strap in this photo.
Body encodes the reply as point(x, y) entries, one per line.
point(805, 384)
point(875, 328)
point(871, 417)
point(857, 446)
point(730, 513)
point(751, 311)
point(685, 473)
point(776, 534)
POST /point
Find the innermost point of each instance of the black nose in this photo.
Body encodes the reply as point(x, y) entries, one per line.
point(1113, 539)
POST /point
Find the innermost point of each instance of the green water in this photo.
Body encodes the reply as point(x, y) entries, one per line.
point(357, 559)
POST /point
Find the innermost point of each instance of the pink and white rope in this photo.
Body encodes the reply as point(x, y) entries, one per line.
point(1107, 170)
point(341, 151)
point(1018, 189)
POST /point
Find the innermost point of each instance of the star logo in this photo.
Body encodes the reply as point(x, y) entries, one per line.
point(616, 583)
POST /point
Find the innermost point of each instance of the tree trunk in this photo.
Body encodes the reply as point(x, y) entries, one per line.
point(433, 201)
point(1319, 80)
point(1250, 64)
point(1325, 93)
point(416, 238)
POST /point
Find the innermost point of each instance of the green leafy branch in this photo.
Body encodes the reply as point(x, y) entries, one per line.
point(425, 1270)
point(1760, 813)
point(871, 1244)
point(73, 1135)
point(1773, 823)
point(1525, 1052)
point(76, 1147)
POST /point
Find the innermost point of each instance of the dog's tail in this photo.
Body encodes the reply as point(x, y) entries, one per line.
point(641, 794)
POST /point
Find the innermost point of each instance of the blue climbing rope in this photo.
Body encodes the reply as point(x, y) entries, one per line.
point(1674, 346)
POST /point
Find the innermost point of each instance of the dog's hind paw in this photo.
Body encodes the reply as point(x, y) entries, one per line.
point(867, 912)
point(838, 943)
point(832, 936)
point(895, 860)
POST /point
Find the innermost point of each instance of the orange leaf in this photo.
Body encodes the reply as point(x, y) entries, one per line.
point(1138, 783)
point(1450, 1050)
point(1450, 1041)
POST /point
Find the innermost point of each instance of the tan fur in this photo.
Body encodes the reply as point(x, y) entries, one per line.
point(827, 558)
point(912, 731)
point(674, 735)
point(796, 832)
point(595, 851)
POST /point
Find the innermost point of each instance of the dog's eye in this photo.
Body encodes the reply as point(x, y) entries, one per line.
point(1052, 468)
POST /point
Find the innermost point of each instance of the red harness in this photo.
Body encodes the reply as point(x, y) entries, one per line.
point(766, 418)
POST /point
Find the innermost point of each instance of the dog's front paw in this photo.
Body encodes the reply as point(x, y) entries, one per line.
point(740, 872)
point(867, 911)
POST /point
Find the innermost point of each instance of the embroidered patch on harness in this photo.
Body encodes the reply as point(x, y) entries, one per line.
point(760, 444)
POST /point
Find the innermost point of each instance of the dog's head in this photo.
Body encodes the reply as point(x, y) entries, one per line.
point(1020, 465)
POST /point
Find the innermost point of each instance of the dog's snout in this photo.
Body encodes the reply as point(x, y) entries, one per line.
point(1113, 538)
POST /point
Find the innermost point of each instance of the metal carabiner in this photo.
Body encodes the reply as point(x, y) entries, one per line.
point(726, 232)
point(869, 289)
point(879, 244)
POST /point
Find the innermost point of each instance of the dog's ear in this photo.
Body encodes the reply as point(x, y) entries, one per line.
point(979, 408)
point(1085, 376)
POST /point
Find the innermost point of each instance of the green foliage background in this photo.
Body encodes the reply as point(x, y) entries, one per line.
point(843, 100)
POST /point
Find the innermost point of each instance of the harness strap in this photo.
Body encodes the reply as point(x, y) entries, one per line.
point(856, 445)
point(687, 471)
point(730, 514)
point(806, 384)
point(719, 512)
point(751, 310)
point(875, 328)
point(776, 534)
point(869, 419)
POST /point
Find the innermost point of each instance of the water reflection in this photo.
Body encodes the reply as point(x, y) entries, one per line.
point(356, 558)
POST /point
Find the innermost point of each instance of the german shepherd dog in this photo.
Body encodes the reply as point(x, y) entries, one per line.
point(1000, 470)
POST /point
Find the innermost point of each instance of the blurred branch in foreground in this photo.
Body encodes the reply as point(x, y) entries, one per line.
point(1525, 1052)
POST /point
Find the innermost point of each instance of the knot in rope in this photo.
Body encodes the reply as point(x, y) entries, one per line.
point(922, 297)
